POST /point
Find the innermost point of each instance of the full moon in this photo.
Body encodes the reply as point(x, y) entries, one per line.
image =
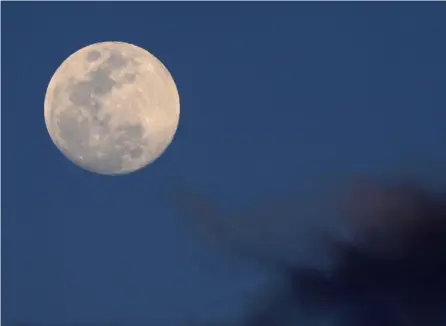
point(112, 108)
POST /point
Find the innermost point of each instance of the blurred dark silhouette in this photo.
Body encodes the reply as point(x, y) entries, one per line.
point(390, 271)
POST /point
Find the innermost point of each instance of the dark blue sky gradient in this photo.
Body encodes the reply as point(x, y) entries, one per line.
point(276, 98)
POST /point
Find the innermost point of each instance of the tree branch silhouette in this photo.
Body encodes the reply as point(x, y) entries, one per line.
point(391, 273)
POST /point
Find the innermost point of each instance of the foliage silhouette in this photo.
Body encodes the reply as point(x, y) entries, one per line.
point(391, 273)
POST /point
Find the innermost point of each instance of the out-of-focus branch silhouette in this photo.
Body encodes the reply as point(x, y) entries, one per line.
point(390, 272)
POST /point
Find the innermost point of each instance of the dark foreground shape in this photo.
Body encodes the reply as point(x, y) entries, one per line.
point(392, 274)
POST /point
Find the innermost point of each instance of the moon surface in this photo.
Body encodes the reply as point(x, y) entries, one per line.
point(112, 108)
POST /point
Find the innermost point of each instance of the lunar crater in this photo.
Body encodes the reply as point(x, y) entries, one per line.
point(108, 114)
point(95, 145)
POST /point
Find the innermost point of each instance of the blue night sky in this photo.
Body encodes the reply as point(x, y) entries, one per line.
point(276, 99)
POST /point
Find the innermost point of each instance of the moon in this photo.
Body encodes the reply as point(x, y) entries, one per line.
point(112, 108)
